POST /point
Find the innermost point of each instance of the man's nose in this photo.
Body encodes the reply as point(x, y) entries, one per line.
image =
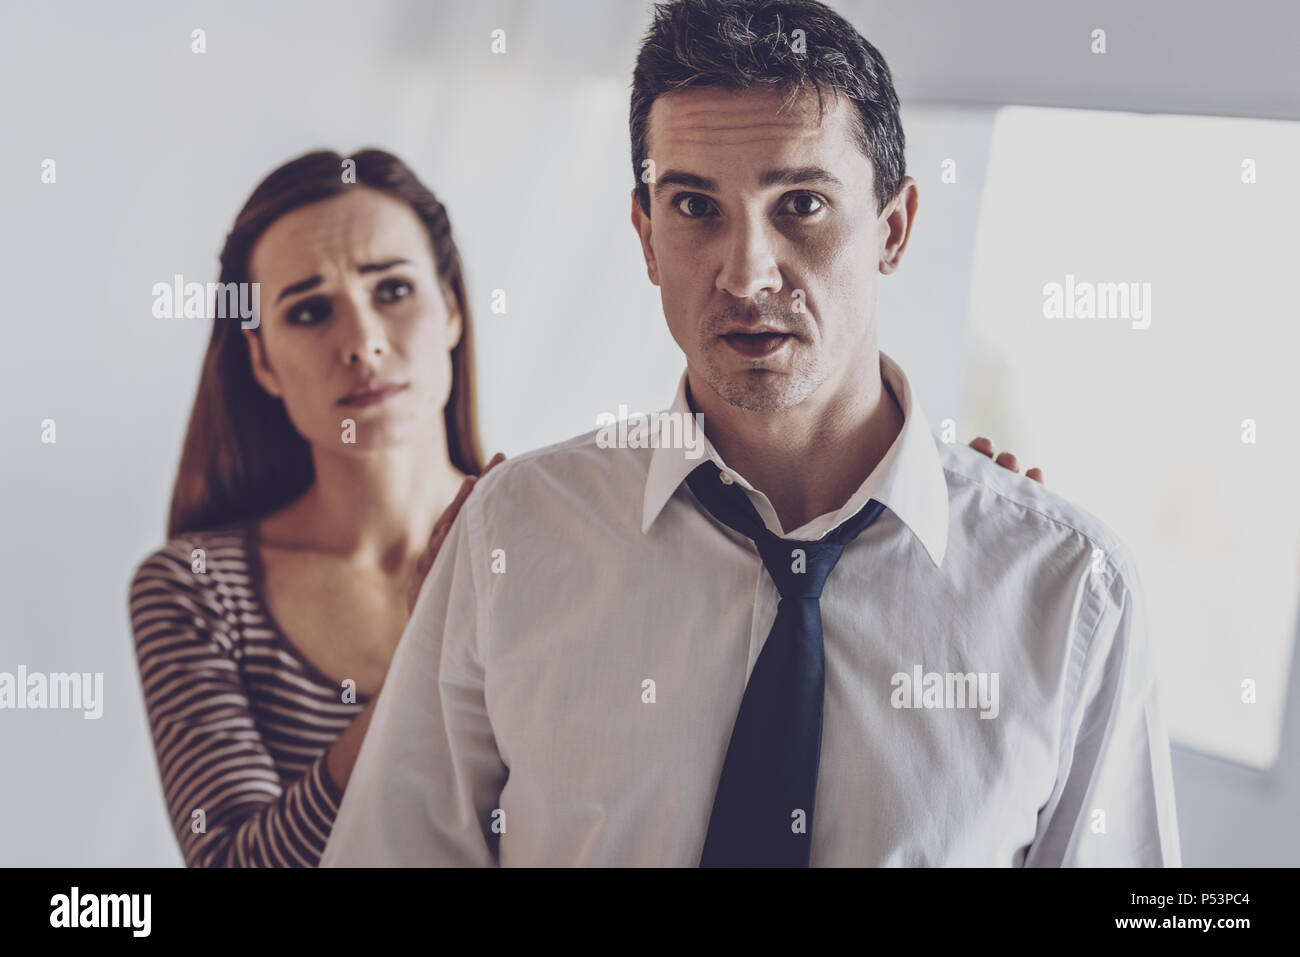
point(749, 266)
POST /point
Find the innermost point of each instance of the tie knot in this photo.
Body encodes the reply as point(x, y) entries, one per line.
point(799, 569)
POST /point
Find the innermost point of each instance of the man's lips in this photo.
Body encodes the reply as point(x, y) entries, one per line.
point(756, 345)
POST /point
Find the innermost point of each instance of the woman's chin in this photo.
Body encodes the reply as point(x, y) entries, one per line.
point(375, 430)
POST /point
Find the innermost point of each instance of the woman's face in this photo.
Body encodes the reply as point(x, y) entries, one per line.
point(355, 325)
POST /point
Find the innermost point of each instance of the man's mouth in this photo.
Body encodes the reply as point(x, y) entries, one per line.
point(756, 345)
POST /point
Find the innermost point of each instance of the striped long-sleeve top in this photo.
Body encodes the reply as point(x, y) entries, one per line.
point(241, 720)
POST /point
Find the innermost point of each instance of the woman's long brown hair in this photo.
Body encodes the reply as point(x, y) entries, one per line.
point(242, 456)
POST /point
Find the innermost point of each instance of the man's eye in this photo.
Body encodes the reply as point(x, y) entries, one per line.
point(805, 204)
point(308, 312)
point(693, 206)
point(392, 290)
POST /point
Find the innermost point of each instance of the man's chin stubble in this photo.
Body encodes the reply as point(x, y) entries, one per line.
point(760, 389)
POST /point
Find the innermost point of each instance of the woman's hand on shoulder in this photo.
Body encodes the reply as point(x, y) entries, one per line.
point(440, 529)
point(1005, 459)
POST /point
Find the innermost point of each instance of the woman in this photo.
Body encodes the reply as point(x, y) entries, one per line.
point(322, 446)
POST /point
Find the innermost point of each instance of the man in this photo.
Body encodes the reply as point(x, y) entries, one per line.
point(832, 640)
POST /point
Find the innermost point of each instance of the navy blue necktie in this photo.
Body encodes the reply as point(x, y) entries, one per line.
point(769, 777)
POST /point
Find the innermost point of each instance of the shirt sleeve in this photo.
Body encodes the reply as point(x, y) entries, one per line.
point(228, 804)
point(427, 781)
point(1113, 804)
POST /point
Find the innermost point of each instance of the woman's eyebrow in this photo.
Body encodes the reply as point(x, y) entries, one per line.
point(312, 282)
point(380, 267)
point(300, 286)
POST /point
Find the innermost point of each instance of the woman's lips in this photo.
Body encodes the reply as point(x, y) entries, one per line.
point(756, 345)
point(372, 394)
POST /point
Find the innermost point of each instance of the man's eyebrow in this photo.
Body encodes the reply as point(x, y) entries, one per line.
point(677, 177)
point(789, 176)
point(799, 176)
point(312, 282)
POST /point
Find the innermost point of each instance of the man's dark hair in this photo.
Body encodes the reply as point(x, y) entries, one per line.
point(744, 44)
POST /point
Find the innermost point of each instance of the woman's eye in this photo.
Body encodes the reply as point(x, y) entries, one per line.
point(693, 206)
point(392, 290)
point(805, 204)
point(308, 312)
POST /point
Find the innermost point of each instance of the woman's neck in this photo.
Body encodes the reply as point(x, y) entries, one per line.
point(377, 508)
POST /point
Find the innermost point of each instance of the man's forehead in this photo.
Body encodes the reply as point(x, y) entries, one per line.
point(715, 119)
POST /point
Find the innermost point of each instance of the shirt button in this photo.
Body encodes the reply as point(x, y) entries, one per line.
point(726, 478)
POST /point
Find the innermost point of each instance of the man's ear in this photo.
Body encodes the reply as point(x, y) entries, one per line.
point(455, 321)
point(897, 223)
point(641, 223)
point(262, 370)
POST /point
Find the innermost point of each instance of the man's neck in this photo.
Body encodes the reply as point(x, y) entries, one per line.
point(808, 460)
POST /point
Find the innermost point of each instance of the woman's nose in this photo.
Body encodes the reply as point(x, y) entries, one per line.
point(371, 348)
point(366, 339)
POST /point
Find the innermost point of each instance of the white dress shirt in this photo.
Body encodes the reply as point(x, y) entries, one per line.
point(566, 688)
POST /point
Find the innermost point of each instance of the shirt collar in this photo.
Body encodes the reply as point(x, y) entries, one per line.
point(909, 480)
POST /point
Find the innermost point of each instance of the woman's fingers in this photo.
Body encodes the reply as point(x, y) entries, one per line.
point(439, 534)
point(1007, 460)
point(441, 528)
point(449, 514)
